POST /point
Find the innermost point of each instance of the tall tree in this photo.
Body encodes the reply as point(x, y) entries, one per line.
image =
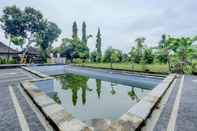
point(12, 23)
point(46, 37)
point(26, 25)
point(75, 30)
point(34, 23)
point(162, 42)
point(139, 49)
point(98, 45)
point(148, 56)
point(84, 37)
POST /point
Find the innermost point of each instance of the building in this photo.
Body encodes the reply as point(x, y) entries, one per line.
point(6, 52)
point(33, 55)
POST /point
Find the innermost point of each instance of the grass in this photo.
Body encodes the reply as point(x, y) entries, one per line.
point(149, 68)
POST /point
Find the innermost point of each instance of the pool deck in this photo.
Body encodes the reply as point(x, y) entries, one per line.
point(14, 103)
point(176, 113)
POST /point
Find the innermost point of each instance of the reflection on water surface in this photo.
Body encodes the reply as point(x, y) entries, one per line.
point(88, 98)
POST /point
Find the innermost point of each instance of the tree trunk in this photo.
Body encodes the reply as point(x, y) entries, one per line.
point(9, 51)
point(169, 65)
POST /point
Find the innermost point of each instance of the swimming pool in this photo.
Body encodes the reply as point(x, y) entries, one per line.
point(88, 98)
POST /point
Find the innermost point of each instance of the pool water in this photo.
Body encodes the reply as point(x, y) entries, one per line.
point(88, 98)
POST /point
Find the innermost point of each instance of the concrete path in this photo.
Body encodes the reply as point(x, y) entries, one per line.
point(16, 113)
point(179, 112)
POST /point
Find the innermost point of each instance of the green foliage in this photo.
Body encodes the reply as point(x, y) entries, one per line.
point(112, 55)
point(98, 46)
point(75, 83)
point(136, 53)
point(75, 30)
point(194, 68)
point(30, 26)
point(10, 61)
point(182, 49)
point(148, 56)
point(12, 22)
point(161, 56)
point(46, 37)
point(74, 48)
point(125, 57)
point(84, 37)
point(93, 56)
point(19, 41)
point(163, 41)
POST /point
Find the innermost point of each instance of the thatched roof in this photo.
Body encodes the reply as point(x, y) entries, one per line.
point(4, 49)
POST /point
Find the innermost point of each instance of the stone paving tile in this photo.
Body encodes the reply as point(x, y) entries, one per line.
point(33, 121)
point(162, 123)
point(10, 125)
point(187, 113)
point(8, 116)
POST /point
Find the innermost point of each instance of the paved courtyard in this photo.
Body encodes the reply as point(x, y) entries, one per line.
point(179, 110)
point(18, 113)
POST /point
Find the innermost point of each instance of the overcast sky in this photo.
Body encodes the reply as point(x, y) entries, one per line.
point(121, 21)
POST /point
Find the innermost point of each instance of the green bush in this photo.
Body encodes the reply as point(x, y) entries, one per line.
point(194, 68)
point(78, 61)
point(4, 61)
point(12, 61)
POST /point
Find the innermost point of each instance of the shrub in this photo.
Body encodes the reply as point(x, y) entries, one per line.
point(194, 68)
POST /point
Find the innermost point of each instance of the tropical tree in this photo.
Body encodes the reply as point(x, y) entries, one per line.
point(125, 57)
point(132, 54)
point(18, 41)
point(98, 46)
point(162, 41)
point(139, 49)
point(112, 55)
point(165, 48)
point(28, 26)
point(183, 50)
point(93, 56)
point(148, 56)
point(84, 37)
point(33, 24)
point(13, 24)
point(74, 30)
point(74, 48)
point(68, 48)
point(46, 37)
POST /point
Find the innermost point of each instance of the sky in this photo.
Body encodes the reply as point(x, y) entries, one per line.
point(120, 21)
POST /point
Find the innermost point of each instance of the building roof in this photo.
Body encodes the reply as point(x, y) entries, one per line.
point(4, 49)
point(32, 51)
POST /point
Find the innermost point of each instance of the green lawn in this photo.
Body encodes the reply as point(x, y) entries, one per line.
point(153, 68)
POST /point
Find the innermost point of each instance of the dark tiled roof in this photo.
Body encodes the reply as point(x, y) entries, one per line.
point(33, 51)
point(4, 49)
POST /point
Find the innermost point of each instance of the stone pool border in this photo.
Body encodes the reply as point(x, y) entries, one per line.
point(62, 120)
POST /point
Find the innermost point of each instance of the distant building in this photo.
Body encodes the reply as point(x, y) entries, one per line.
point(33, 55)
point(6, 52)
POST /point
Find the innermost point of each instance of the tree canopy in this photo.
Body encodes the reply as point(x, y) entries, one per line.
point(28, 26)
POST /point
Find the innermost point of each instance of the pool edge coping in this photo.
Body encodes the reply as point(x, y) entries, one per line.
point(132, 120)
